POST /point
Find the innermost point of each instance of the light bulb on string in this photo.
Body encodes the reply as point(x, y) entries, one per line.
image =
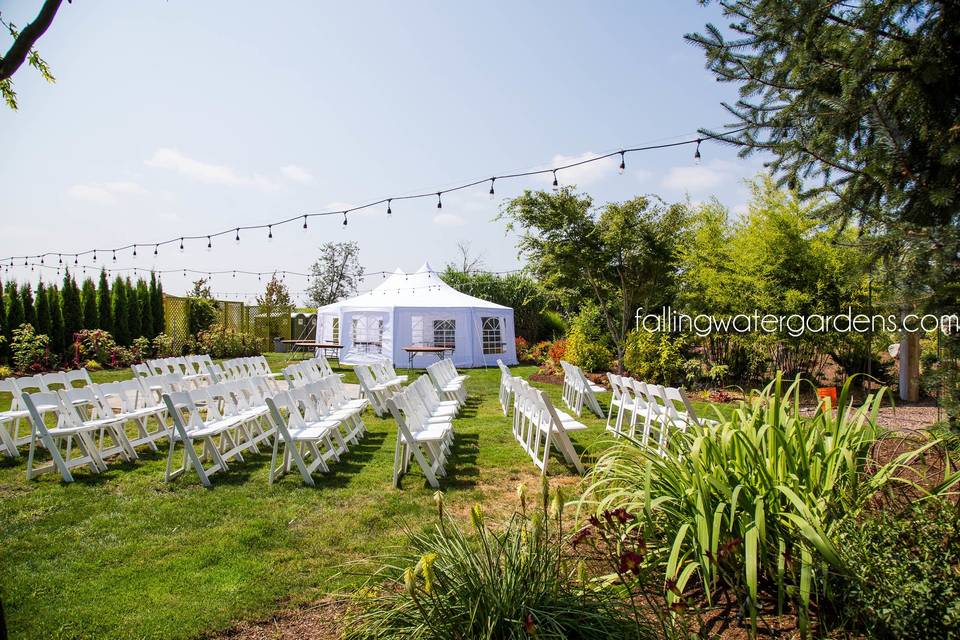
point(209, 244)
point(696, 154)
point(439, 201)
point(155, 248)
point(181, 244)
point(114, 255)
point(237, 239)
point(94, 256)
point(556, 183)
point(389, 210)
point(623, 163)
point(76, 259)
point(304, 223)
point(344, 218)
point(492, 180)
point(134, 251)
point(41, 259)
point(269, 232)
point(59, 259)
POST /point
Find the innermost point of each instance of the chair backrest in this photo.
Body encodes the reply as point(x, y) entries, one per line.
point(38, 403)
point(141, 370)
point(54, 381)
point(78, 375)
point(87, 397)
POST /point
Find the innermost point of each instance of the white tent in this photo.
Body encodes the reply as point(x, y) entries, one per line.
point(417, 309)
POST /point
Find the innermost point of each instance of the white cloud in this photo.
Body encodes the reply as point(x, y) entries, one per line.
point(105, 193)
point(173, 160)
point(296, 174)
point(448, 220)
point(584, 174)
point(698, 178)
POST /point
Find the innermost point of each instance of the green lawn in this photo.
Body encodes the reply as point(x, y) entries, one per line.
point(124, 555)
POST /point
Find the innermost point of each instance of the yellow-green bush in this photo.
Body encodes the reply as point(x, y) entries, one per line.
point(654, 357)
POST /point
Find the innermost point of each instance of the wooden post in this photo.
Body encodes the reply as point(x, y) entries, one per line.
point(910, 366)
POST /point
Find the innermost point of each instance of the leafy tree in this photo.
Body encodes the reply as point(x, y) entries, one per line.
point(44, 320)
point(621, 257)
point(156, 303)
point(275, 306)
point(121, 312)
point(145, 306)
point(201, 307)
point(88, 298)
point(104, 303)
point(336, 274)
point(4, 327)
point(71, 309)
point(58, 343)
point(21, 50)
point(29, 310)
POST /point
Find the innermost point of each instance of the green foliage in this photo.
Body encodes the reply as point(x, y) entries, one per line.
point(44, 319)
point(71, 309)
point(754, 500)
point(554, 325)
point(275, 306)
point(493, 583)
point(655, 357)
point(29, 310)
point(145, 309)
point(30, 350)
point(620, 257)
point(15, 316)
point(336, 274)
point(163, 346)
point(5, 371)
point(134, 312)
point(88, 301)
point(104, 303)
point(156, 305)
point(58, 342)
point(220, 342)
point(120, 312)
point(905, 580)
point(584, 342)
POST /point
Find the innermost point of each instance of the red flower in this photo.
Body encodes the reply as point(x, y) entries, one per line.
point(630, 561)
point(530, 626)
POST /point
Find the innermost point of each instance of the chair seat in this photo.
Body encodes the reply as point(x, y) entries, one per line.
point(145, 412)
point(314, 430)
point(362, 403)
point(596, 388)
point(13, 415)
point(433, 434)
point(214, 428)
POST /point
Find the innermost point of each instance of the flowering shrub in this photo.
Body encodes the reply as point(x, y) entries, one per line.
point(140, 350)
point(163, 346)
point(5, 371)
point(99, 346)
point(540, 351)
point(523, 349)
point(92, 365)
point(557, 350)
point(221, 342)
point(31, 350)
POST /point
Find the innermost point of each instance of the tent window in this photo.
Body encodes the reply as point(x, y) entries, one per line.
point(416, 330)
point(335, 331)
point(445, 333)
point(368, 334)
point(492, 336)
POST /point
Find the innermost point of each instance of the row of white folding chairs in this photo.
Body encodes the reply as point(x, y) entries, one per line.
point(652, 408)
point(83, 419)
point(424, 429)
point(578, 390)
point(449, 384)
point(305, 371)
point(376, 384)
point(248, 367)
point(193, 368)
point(538, 426)
point(315, 425)
point(12, 421)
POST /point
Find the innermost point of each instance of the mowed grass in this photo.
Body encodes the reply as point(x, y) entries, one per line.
point(125, 555)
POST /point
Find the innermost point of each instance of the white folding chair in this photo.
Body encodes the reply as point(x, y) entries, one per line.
point(425, 445)
point(506, 388)
point(376, 393)
point(68, 429)
point(130, 401)
point(300, 441)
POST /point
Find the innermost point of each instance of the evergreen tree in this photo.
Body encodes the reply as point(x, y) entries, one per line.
point(88, 298)
point(43, 310)
point(14, 306)
point(156, 302)
point(134, 322)
point(146, 309)
point(57, 342)
point(121, 313)
point(4, 328)
point(104, 303)
point(71, 310)
point(29, 310)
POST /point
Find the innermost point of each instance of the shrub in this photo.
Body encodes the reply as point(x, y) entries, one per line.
point(31, 350)
point(140, 350)
point(221, 342)
point(163, 346)
point(98, 345)
point(511, 581)
point(523, 349)
point(554, 324)
point(92, 365)
point(906, 572)
point(557, 351)
point(764, 486)
point(201, 314)
point(5, 371)
point(589, 355)
point(655, 357)
point(540, 352)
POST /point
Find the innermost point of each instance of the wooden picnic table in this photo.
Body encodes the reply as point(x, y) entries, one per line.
point(304, 345)
point(438, 350)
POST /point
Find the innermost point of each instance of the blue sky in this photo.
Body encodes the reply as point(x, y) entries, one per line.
point(178, 117)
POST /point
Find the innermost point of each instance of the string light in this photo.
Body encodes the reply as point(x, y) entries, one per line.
point(492, 180)
point(304, 223)
point(134, 251)
point(534, 172)
point(344, 218)
point(94, 256)
point(156, 247)
point(209, 244)
point(114, 255)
